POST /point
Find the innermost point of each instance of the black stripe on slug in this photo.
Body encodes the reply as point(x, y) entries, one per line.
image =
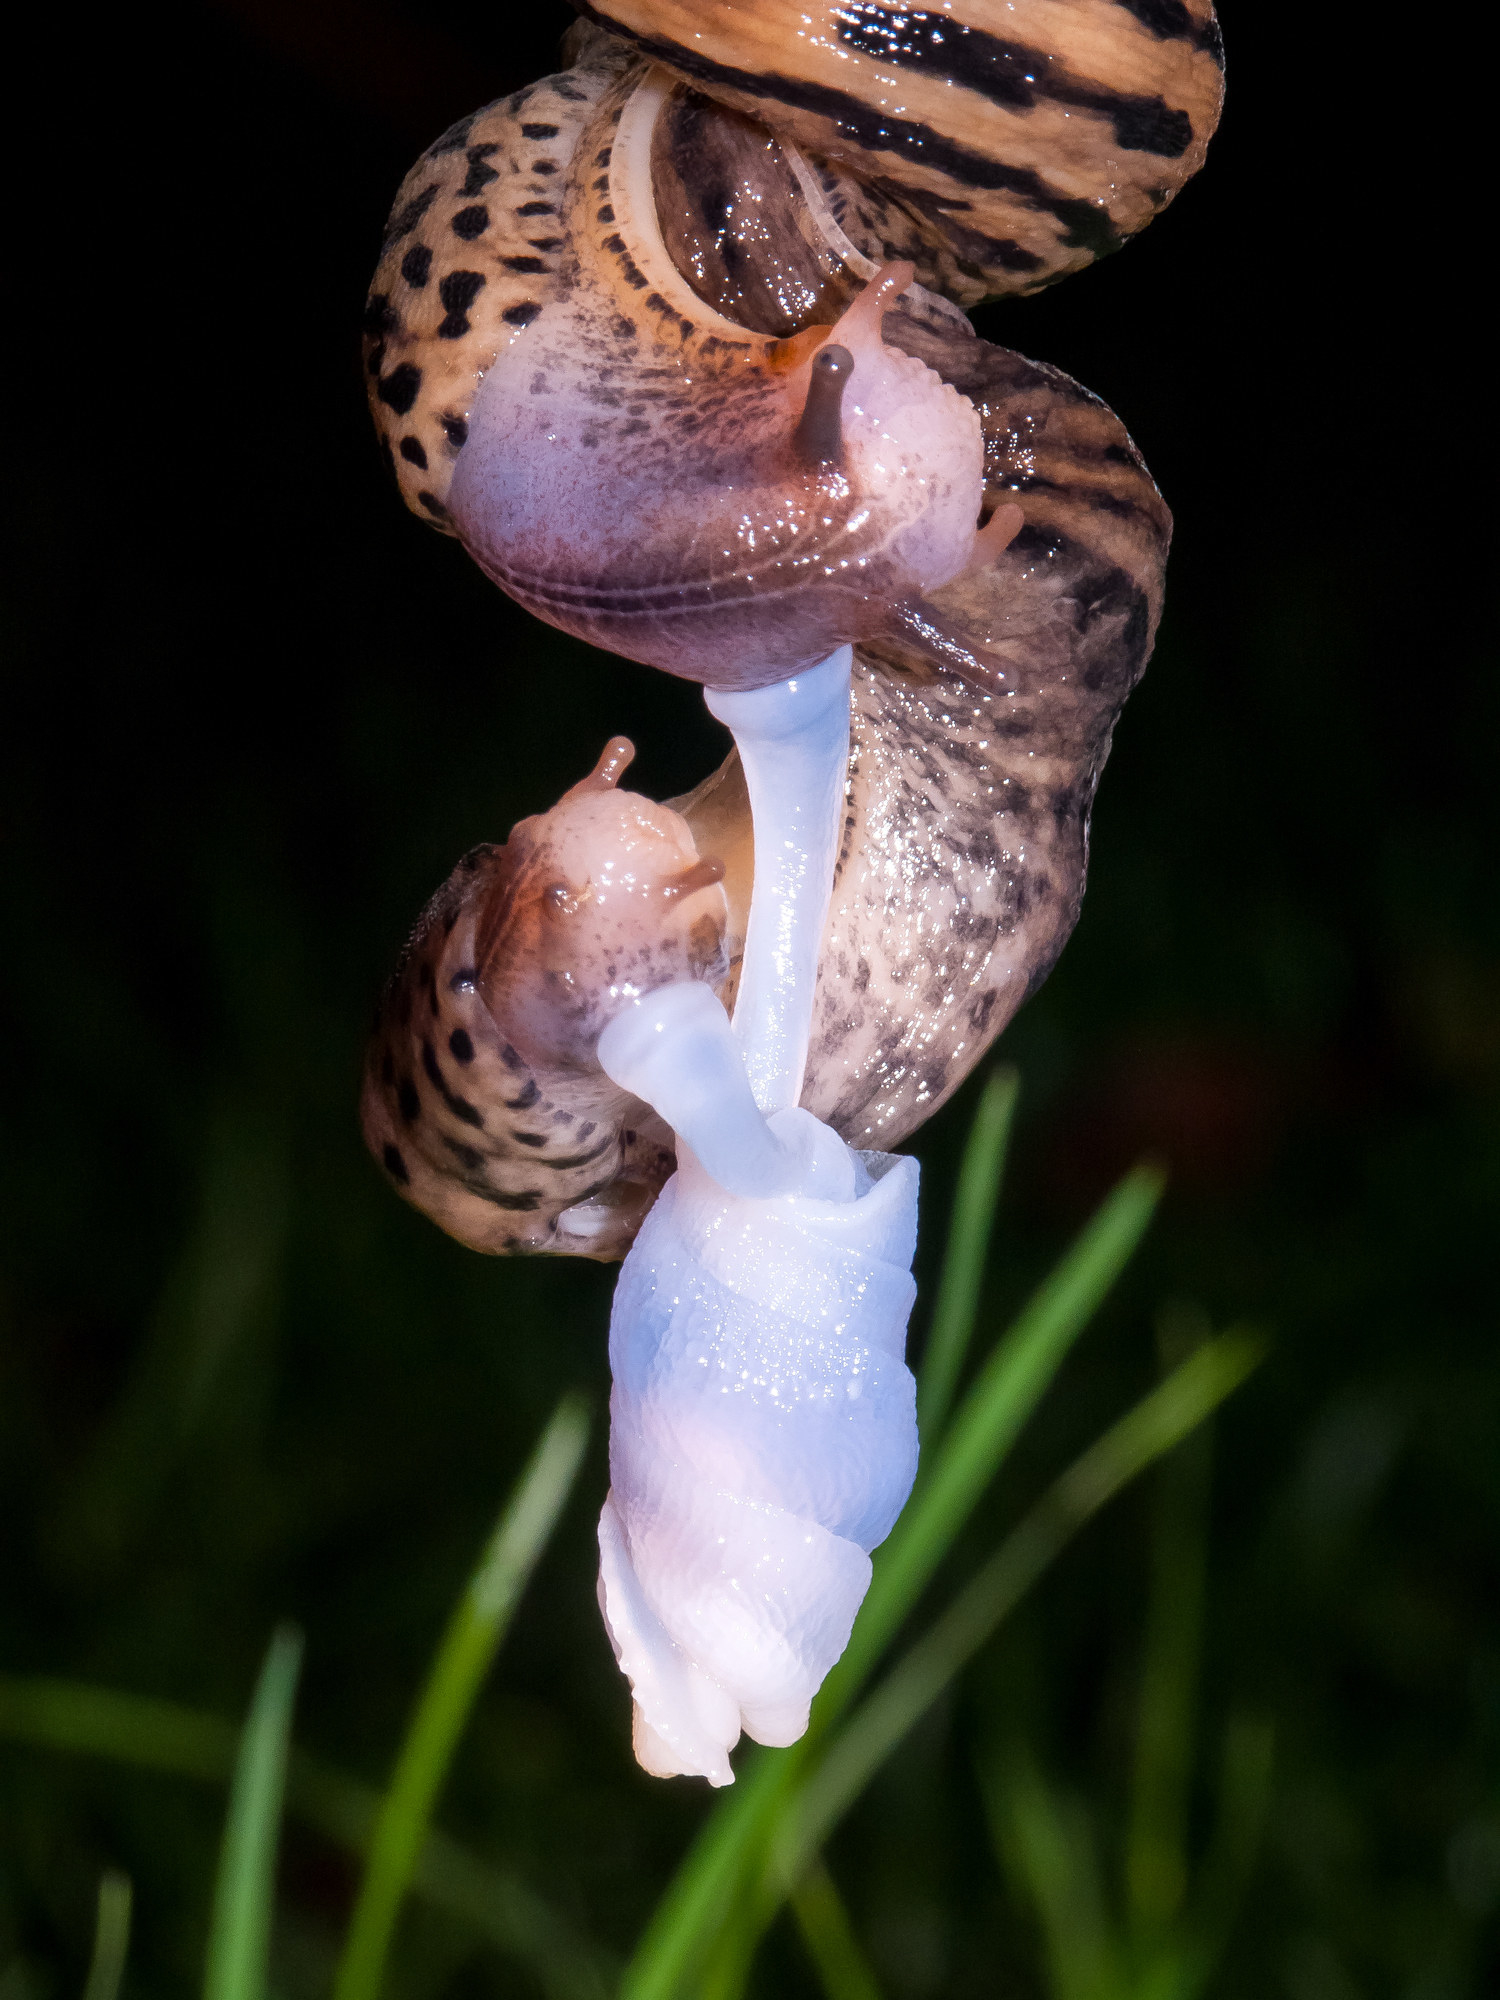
point(974, 248)
point(459, 1106)
point(577, 1159)
point(1170, 21)
point(1007, 73)
point(1086, 224)
point(526, 1200)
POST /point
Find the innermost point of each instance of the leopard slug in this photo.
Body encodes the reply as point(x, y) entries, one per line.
point(987, 674)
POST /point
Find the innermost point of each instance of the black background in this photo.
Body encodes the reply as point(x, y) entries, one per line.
point(254, 712)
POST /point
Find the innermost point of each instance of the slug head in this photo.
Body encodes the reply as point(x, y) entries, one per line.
point(726, 504)
point(600, 899)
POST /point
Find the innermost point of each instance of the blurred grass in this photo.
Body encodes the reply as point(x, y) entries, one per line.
point(161, 1736)
point(111, 1937)
point(464, 1657)
point(970, 1227)
point(239, 1936)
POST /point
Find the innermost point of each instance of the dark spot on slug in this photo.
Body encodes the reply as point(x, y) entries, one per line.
point(537, 208)
point(413, 453)
point(468, 1157)
point(379, 317)
point(405, 220)
point(416, 266)
point(527, 1098)
point(530, 265)
point(457, 431)
point(395, 1166)
point(461, 1045)
point(454, 139)
point(529, 1138)
point(479, 175)
point(458, 292)
point(433, 505)
point(410, 1103)
point(521, 315)
point(398, 390)
point(538, 131)
point(471, 222)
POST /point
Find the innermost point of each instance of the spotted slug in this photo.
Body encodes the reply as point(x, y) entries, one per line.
point(672, 342)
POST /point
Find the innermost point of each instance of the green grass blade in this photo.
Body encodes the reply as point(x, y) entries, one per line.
point(1244, 1798)
point(111, 1937)
point(468, 1647)
point(988, 1421)
point(239, 1939)
point(690, 1914)
point(969, 1232)
point(126, 1728)
point(75, 1718)
point(1161, 1781)
point(1007, 1389)
point(829, 1936)
point(1046, 1843)
point(1158, 1422)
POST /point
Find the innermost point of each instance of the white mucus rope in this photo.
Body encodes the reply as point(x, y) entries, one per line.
point(763, 1420)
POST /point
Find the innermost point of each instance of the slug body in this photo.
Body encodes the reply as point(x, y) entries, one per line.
point(981, 707)
point(483, 1097)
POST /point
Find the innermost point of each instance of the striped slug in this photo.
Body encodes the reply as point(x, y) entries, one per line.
point(642, 339)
